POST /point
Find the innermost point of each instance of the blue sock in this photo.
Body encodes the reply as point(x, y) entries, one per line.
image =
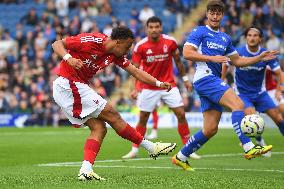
point(194, 143)
point(237, 117)
point(281, 127)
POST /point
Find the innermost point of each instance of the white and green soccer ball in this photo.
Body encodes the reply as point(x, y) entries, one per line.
point(252, 125)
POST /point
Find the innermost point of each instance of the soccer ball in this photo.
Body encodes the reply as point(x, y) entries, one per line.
point(252, 125)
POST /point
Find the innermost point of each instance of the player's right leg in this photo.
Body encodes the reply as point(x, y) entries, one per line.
point(111, 116)
point(211, 120)
point(259, 139)
point(232, 101)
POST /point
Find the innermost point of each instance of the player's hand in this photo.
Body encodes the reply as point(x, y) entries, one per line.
point(75, 63)
point(219, 59)
point(188, 86)
point(134, 94)
point(166, 85)
point(269, 55)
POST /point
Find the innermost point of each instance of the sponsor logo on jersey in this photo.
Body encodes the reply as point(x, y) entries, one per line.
point(157, 58)
point(212, 45)
point(251, 68)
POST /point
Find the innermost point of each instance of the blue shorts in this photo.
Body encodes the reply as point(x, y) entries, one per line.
point(262, 102)
point(210, 90)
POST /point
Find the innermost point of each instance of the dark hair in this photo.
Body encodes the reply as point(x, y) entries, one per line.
point(121, 32)
point(253, 27)
point(216, 5)
point(154, 19)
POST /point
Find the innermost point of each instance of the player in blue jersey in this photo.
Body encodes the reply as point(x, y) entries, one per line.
point(250, 85)
point(209, 48)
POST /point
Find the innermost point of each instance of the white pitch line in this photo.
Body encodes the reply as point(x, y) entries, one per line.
point(175, 168)
point(77, 164)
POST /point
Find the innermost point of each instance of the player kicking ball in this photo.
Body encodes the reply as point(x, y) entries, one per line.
point(84, 55)
point(209, 48)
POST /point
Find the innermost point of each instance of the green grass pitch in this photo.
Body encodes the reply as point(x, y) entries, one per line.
point(39, 158)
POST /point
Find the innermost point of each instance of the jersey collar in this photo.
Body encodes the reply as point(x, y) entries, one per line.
point(253, 53)
point(212, 29)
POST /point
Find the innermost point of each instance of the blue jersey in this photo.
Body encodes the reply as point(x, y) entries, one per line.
point(209, 42)
point(250, 79)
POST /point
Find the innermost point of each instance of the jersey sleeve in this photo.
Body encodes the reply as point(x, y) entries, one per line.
point(136, 56)
point(230, 49)
point(122, 62)
point(273, 64)
point(195, 37)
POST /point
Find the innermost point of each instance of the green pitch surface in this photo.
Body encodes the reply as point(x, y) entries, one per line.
point(38, 158)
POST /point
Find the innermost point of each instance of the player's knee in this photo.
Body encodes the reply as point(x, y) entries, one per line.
point(210, 132)
point(238, 105)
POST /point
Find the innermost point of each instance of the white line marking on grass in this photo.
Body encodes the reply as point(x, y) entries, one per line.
point(141, 159)
point(78, 164)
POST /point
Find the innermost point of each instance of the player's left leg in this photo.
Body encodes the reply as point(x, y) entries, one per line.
point(141, 128)
point(147, 102)
point(91, 149)
point(211, 120)
point(183, 128)
point(123, 129)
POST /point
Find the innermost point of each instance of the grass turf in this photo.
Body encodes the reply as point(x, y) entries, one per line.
point(21, 150)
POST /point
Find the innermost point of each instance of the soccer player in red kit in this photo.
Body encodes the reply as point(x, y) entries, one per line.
point(154, 55)
point(273, 91)
point(83, 55)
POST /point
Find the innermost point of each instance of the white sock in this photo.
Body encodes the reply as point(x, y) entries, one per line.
point(248, 146)
point(181, 156)
point(86, 166)
point(261, 142)
point(148, 145)
point(154, 132)
point(135, 150)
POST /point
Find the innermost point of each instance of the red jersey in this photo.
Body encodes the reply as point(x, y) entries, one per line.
point(270, 82)
point(89, 48)
point(155, 58)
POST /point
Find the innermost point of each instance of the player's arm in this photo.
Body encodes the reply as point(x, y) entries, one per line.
point(224, 71)
point(280, 83)
point(190, 53)
point(134, 91)
point(246, 61)
point(181, 69)
point(146, 78)
point(59, 47)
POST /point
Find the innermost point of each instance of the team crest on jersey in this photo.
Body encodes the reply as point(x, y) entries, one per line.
point(165, 48)
point(94, 56)
point(149, 51)
point(211, 34)
point(224, 39)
